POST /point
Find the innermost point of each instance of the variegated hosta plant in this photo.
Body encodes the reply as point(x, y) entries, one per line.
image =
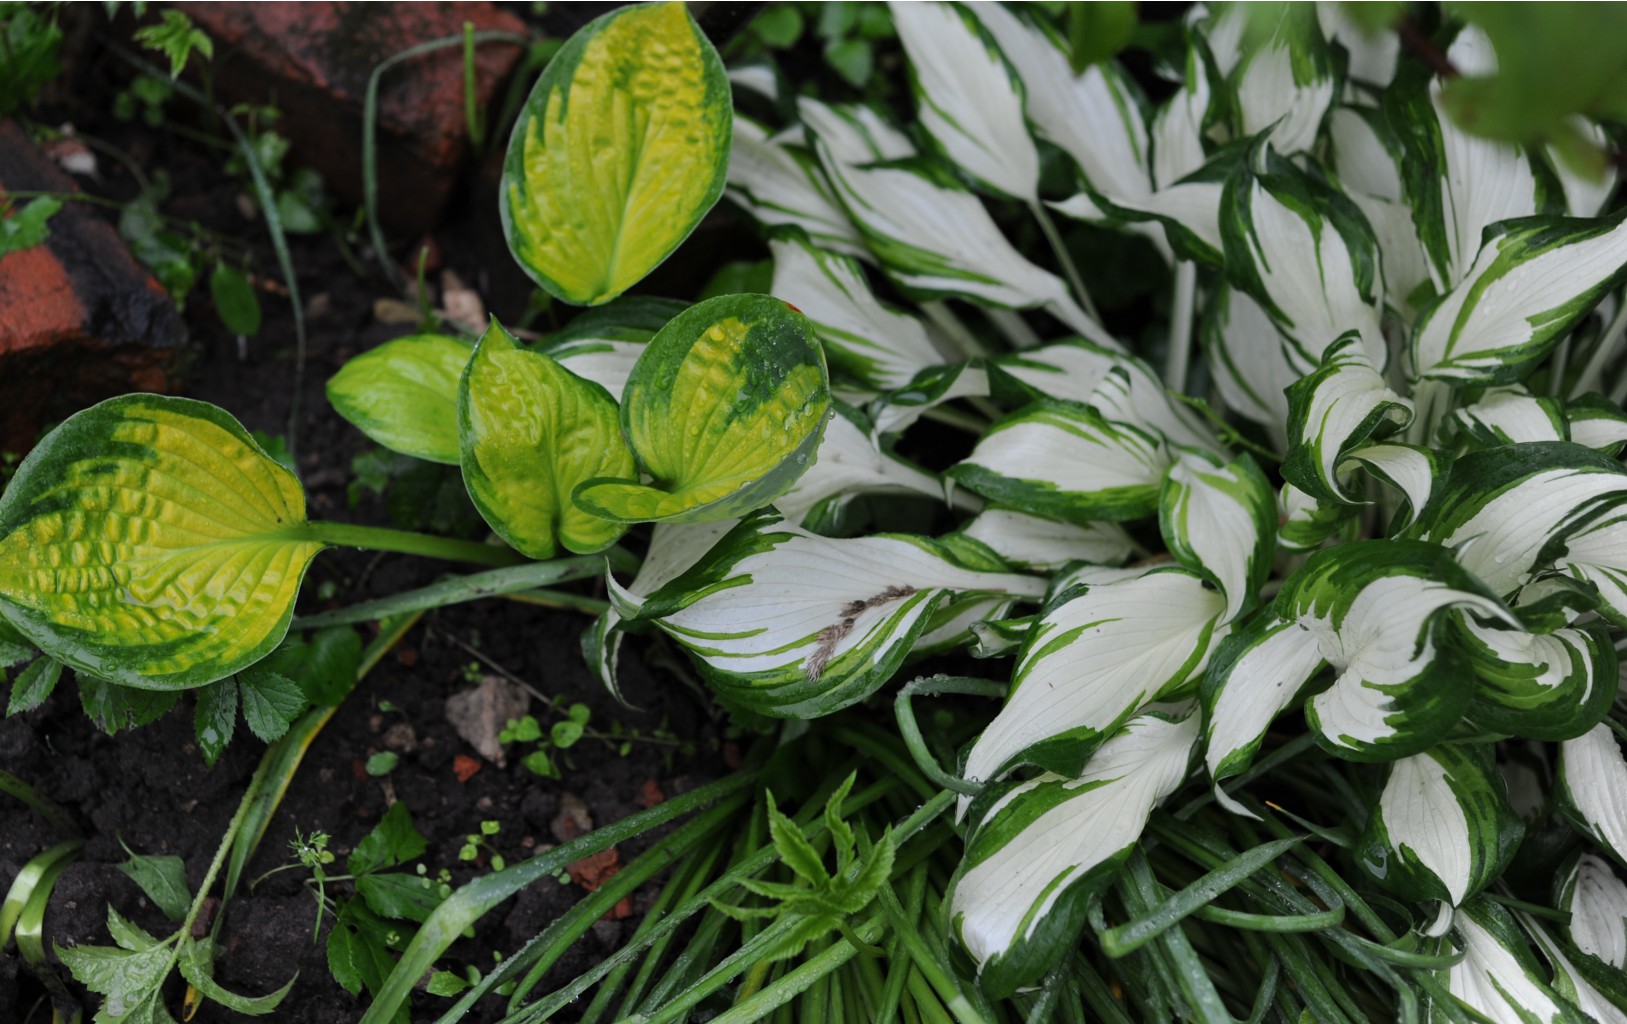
point(1343, 555)
point(1378, 513)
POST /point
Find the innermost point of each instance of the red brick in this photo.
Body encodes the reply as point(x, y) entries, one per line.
point(80, 319)
point(313, 61)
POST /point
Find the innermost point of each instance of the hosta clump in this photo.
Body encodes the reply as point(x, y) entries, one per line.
point(1390, 508)
point(1361, 567)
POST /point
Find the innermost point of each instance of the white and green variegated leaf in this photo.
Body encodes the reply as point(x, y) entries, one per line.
point(1596, 899)
point(1040, 850)
point(757, 78)
point(1378, 610)
point(673, 549)
point(151, 542)
point(1178, 126)
point(724, 411)
point(1593, 788)
point(1247, 356)
point(779, 183)
point(1121, 388)
point(607, 362)
point(1306, 522)
point(1342, 405)
point(848, 464)
point(1365, 158)
point(1091, 661)
point(1498, 976)
point(1596, 902)
point(1532, 281)
point(792, 624)
point(404, 394)
point(880, 346)
point(1510, 415)
point(1067, 461)
point(1543, 686)
point(1254, 676)
point(530, 432)
point(1219, 519)
point(898, 410)
point(1443, 828)
point(1306, 253)
point(621, 148)
point(1597, 422)
point(1586, 195)
point(1091, 116)
point(1501, 507)
point(1588, 984)
point(1286, 85)
point(1596, 554)
point(1046, 545)
point(933, 237)
point(1458, 183)
point(970, 100)
point(1412, 471)
point(1370, 54)
point(1189, 210)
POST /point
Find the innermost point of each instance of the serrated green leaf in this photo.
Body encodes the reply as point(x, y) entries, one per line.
point(113, 707)
point(33, 685)
point(199, 542)
point(1443, 828)
point(271, 702)
point(359, 951)
point(399, 894)
point(130, 982)
point(127, 933)
point(394, 840)
point(725, 411)
point(163, 879)
point(26, 226)
point(404, 394)
point(619, 151)
point(793, 848)
point(215, 719)
point(531, 432)
point(196, 967)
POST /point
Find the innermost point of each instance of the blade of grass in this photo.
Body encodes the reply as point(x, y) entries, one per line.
point(1132, 935)
point(472, 901)
point(30, 878)
point(45, 807)
point(472, 587)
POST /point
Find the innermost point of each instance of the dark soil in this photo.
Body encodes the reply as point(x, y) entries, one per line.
point(151, 788)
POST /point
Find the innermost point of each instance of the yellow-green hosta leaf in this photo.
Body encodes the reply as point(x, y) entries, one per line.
point(149, 541)
point(531, 431)
point(621, 149)
point(724, 411)
point(404, 394)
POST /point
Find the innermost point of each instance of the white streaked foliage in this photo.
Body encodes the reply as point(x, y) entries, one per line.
point(970, 100)
point(1498, 975)
point(849, 463)
point(793, 624)
point(776, 182)
point(880, 346)
point(933, 237)
point(1091, 661)
point(1593, 788)
point(1045, 545)
point(1596, 899)
point(1040, 849)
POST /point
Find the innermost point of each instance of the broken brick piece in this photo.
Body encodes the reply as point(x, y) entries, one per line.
point(313, 61)
point(596, 869)
point(80, 319)
point(465, 767)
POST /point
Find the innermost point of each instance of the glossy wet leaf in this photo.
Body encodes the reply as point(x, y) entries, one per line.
point(404, 394)
point(150, 541)
point(33, 684)
point(620, 150)
point(163, 879)
point(271, 702)
point(532, 431)
point(725, 410)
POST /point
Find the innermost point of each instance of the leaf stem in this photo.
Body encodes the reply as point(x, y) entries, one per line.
point(1054, 237)
point(1179, 355)
point(1608, 347)
point(514, 580)
point(910, 730)
point(379, 538)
